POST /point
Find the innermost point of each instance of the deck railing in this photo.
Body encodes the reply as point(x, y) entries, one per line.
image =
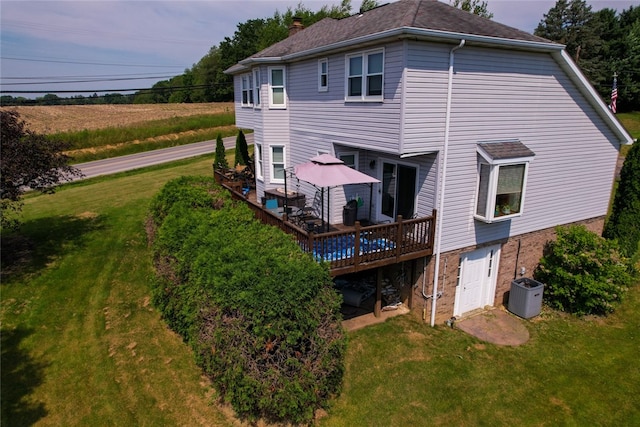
point(354, 248)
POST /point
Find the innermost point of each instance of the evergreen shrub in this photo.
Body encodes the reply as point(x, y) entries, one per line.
point(583, 273)
point(242, 150)
point(220, 159)
point(261, 316)
point(624, 222)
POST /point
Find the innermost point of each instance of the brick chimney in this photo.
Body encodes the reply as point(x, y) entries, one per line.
point(296, 26)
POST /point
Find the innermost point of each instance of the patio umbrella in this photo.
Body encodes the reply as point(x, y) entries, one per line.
point(326, 171)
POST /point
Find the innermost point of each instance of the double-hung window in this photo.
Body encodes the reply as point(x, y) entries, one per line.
point(365, 76)
point(323, 75)
point(277, 88)
point(502, 179)
point(259, 164)
point(277, 163)
point(247, 90)
point(256, 87)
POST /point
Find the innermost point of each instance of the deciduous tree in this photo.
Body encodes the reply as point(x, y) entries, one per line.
point(476, 7)
point(29, 161)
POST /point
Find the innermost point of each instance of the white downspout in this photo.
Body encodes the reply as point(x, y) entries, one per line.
point(440, 216)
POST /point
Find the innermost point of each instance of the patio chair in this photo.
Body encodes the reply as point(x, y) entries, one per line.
point(271, 204)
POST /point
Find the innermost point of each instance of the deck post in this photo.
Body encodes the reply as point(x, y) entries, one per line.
point(377, 308)
point(310, 242)
point(356, 246)
point(432, 231)
point(399, 239)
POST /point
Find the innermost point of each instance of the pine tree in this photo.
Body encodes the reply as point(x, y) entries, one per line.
point(624, 222)
point(220, 161)
point(242, 150)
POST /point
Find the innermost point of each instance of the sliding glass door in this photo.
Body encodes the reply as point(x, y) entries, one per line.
point(398, 192)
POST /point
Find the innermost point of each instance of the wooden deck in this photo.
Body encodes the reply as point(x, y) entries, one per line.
point(350, 249)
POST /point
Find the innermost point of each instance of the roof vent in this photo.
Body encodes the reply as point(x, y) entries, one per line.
point(296, 26)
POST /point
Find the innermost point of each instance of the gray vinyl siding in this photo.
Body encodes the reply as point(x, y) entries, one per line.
point(425, 96)
point(497, 94)
point(245, 116)
point(324, 122)
point(373, 125)
point(505, 95)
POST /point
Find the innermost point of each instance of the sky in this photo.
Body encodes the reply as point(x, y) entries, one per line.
point(111, 45)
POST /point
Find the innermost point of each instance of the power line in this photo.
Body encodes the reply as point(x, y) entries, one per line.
point(81, 76)
point(86, 81)
point(88, 63)
point(157, 89)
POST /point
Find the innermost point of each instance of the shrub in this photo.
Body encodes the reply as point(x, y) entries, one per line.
point(191, 191)
point(582, 272)
point(242, 150)
point(624, 222)
point(261, 316)
point(220, 160)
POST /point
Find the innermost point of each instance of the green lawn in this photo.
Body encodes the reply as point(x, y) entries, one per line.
point(82, 345)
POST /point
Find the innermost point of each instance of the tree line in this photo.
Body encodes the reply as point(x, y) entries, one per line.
point(602, 43)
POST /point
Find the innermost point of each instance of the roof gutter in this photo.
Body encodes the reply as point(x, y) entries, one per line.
point(445, 155)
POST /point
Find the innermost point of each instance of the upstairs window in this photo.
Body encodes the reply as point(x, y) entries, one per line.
point(365, 76)
point(256, 87)
point(502, 179)
point(247, 91)
point(277, 88)
point(323, 75)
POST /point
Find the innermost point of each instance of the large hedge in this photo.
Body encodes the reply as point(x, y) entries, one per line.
point(261, 315)
point(583, 273)
point(624, 222)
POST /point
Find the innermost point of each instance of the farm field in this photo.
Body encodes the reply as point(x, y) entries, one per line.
point(70, 118)
point(95, 132)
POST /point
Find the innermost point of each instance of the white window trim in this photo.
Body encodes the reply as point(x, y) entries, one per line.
point(284, 88)
point(259, 163)
point(350, 153)
point(322, 88)
point(365, 73)
point(256, 88)
point(246, 83)
point(273, 179)
point(494, 173)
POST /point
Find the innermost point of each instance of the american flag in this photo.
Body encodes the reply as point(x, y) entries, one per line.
point(614, 95)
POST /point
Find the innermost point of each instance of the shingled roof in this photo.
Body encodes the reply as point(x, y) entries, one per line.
point(432, 15)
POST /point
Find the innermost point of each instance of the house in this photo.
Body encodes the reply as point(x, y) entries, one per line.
point(493, 128)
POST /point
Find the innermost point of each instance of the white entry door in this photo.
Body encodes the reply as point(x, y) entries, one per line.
point(477, 281)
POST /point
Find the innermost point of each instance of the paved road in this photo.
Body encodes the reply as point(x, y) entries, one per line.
point(149, 158)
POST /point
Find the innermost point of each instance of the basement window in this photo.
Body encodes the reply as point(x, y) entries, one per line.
point(502, 179)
